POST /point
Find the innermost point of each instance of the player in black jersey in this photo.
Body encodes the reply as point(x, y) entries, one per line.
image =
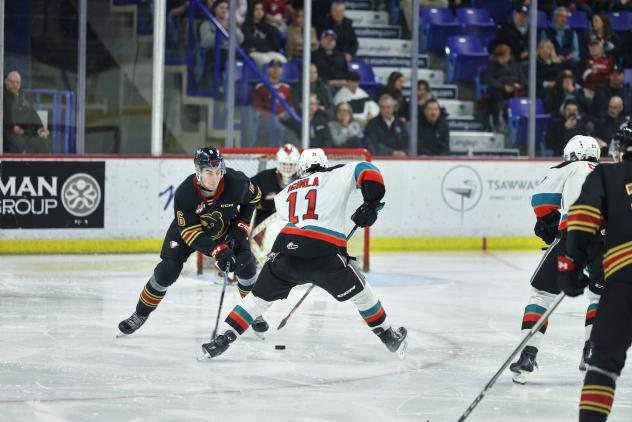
point(605, 200)
point(212, 213)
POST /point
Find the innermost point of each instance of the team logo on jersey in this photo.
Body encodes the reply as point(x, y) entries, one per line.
point(200, 208)
point(461, 189)
point(292, 246)
point(173, 244)
point(81, 195)
point(213, 224)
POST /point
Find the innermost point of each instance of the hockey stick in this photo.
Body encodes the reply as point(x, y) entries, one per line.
point(284, 321)
point(221, 302)
point(524, 341)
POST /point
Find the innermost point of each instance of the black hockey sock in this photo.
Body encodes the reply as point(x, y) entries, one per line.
point(149, 299)
point(597, 397)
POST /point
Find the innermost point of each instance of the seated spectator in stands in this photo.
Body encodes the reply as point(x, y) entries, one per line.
point(294, 40)
point(504, 79)
point(318, 88)
point(23, 130)
point(565, 89)
point(346, 42)
point(331, 64)
point(345, 131)
point(616, 87)
point(515, 34)
point(433, 135)
point(597, 65)
point(548, 67)
point(319, 133)
point(395, 88)
point(563, 38)
point(627, 51)
point(609, 124)
point(363, 107)
point(602, 28)
point(563, 128)
point(277, 13)
point(262, 40)
point(424, 93)
point(386, 132)
point(621, 6)
point(262, 99)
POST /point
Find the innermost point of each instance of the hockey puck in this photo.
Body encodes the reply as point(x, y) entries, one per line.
point(279, 347)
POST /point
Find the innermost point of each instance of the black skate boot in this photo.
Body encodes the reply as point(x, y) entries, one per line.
point(395, 341)
point(131, 324)
point(259, 326)
point(585, 356)
point(218, 345)
point(525, 364)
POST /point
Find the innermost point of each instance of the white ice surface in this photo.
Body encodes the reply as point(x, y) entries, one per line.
point(60, 360)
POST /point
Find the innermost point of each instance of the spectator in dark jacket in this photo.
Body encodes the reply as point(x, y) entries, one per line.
point(609, 124)
point(395, 88)
point(616, 87)
point(602, 28)
point(346, 42)
point(331, 64)
point(548, 67)
point(319, 133)
point(515, 34)
point(504, 79)
point(386, 132)
point(564, 128)
point(433, 133)
point(563, 37)
point(261, 40)
point(565, 89)
point(317, 87)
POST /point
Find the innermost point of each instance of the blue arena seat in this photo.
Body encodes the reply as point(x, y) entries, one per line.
point(499, 10)
point(578, 21)
point(543, 20)
point(465, 54)
point(518, 114)
point(621, 22)
point(367, 77)
point(476, 22)
point(291, 73)
point(437, 24)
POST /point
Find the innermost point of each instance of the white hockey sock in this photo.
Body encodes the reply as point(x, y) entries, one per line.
point(243, 314)
point(591, 312)
point(371, 309)
point(539, 302)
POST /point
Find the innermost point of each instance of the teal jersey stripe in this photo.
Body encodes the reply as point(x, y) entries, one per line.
point(593, 307)
point(546, 199)
point(535, 308)
point(363, 166)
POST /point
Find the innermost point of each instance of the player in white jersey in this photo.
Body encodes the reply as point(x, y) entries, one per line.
point(311, 248)
point(554, 195)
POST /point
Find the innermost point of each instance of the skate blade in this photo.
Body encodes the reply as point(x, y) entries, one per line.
point(520, 378)
point(121, 335)
point(205, 357)
point(401, 351)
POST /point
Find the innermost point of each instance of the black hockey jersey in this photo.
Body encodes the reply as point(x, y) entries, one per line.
point(269, 182)
point(605, 199)
point(203, 222)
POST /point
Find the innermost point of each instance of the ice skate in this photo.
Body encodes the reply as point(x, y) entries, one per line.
point(218, 345)
point(131, 324)
point(525, 364)
point(585, 356)
point(259, 327)
point(395, 341)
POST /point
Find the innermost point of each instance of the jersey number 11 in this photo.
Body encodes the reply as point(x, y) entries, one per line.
point(310, 196)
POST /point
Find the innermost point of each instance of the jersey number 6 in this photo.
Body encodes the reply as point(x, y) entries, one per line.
point(310, 196)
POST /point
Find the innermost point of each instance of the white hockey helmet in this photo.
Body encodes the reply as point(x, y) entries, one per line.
point(582, 148)
point(287, 163)
point(312, 157)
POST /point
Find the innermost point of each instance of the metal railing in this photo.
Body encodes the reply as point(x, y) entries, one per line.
point(62, 124)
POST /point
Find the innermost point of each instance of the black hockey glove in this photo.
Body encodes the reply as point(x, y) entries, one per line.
point(239, 234)
point(570, 279)
point(243, 258)
point(225, 257)
point(546, 227)
point(366, 214)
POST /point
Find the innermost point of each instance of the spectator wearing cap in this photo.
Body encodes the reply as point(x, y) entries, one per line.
point(346, 41)
point(363, 107)
point(261, 40)
point(597, 65)
point(386, 132)
point(262, 99)
point(433, 134)
point(610, 123)
point(515, 34)
point(331, 64)
point(563, 37)
point(563, 128)
point(616, 87)
point(294, 40)
point(317, 87)
point(346, 132)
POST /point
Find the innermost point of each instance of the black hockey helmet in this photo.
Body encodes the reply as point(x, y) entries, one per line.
point(208, 157)
point(621, 144)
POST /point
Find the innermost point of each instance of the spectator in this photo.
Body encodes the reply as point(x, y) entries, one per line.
point(565, 89)
point(504, 79)
point(515, 34)
point(318, 88)
point(262, 41)
point(388, 134)
point(23, 130)
point(433, 133)
point(262, 99)
point(616, 87)
point(277, 13)
point(609, 124)
point(345, 131)
point(621, 6)
point(294, 41)
point(362, 106)
point(320, 136)
point(563, 128)
point(563, 38)
point(548, 67)
point(331, 64)
point(424, 93)
point(602, 28)
point(346, 41)
point(597, 65)
point(395, 88)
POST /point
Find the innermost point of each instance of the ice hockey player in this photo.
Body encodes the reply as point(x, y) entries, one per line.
point(312, 248)
point(558, 189)
point(606, 197)
point(212, 212)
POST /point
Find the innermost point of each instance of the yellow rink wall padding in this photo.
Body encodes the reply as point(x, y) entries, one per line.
point(380, 244)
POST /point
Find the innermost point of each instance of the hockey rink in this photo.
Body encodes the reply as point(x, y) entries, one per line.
point(60, 360)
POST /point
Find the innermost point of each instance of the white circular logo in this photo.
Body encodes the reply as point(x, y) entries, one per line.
point(81, 195)
point(462, 188)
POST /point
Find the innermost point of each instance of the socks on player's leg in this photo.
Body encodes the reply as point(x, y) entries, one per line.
point(597, 396)
point(371, 309)
point(539, 302)
point(245, 313)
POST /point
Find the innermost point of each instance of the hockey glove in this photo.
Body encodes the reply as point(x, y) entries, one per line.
point(569, 279)
point(239, 233)
point(225, 257)
point(243, 258)
point(366, 214)
point(546, 227)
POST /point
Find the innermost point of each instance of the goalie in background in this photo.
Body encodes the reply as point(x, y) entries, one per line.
point(267, 225)
point(212, 212)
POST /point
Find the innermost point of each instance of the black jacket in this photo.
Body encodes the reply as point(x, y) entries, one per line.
point(261, 37)
point(269, 181)
point(346, 41)
point(387, 139)
point(510, 35)
point(605, 93)
point(498, 75)
point(606, 127)
point(558, 135)
point(433, 139)
point(18, 110)
point(319, 132)
point(330, 66)
point(546, 72)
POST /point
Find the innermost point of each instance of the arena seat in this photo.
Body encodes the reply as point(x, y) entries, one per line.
point(437, 24)
point(476, 22)
point(367, 77)
point(621, 22)
point(499, 10)
point(518, 121)
point(465, 54)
